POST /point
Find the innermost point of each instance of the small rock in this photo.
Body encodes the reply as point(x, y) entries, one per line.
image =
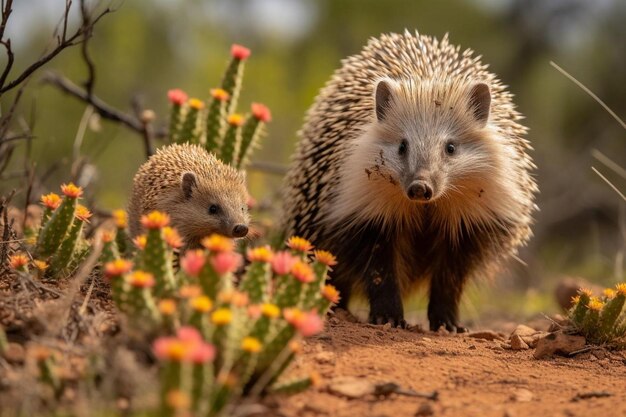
point(386, 326)
point(523, 330)
point(351, 387)
point(522, 395)
point(517, 343)
point(425, 410)
point(324, 357)
point(558, 342)
point(427, 339)
point(472, 347)
point(14, 353)
point(486, 335)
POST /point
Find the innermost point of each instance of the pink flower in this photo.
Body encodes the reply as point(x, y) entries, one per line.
point(225, 262)
point(202, 353)
point(311, 324)
point(177, 96)
point(261, 112)
point(239, 52)
point(189, 334)
point(282, 262)
point(192, 262)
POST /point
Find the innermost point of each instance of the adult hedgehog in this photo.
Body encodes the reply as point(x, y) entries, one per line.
point(201, 194)
point(412, 167)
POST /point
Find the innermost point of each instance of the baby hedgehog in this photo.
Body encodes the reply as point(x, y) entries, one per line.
point(412, 167)
point(201, 194)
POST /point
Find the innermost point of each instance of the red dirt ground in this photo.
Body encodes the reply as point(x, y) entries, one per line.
point(473, 377)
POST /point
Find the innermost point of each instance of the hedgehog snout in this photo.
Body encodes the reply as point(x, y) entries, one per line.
point(240, 230)
point(420, 191)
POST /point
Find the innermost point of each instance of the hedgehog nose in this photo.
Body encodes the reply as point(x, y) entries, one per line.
point(240, 230)
point(420, 191)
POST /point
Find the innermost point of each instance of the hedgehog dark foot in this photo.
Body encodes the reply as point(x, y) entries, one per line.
point(446, 317)
point(388, 309)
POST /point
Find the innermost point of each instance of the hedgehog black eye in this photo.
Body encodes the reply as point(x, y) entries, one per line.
point(450, 148)
point(403, 147)
point(213, 209)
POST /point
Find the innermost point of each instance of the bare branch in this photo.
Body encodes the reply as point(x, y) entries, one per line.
point(65, 41)
point(88, 30)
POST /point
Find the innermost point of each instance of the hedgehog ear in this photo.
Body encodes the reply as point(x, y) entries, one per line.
point(188, 182)
point(382, 98)
point(480, 103)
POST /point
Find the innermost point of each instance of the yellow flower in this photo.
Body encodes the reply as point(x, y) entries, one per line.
point(235, 119)
point(40, 265)
point(621, 288)
point(609, 293)
point(218, 243)
point(82, 213)
point(108, 236)
point(595, 304)
point(140, 241)
point(52, 201)
point(586, 291)
point(219, 94)
point(221, 316)
point(121, 219)
point(299, 244)
point(172, 238)
point(325, 257)
point(71, 190)
point(155, 220)
point(251, 345)
point(270, 310)
point(201, 303)
point(167, 306)
point(260, 254)
point(196, 104)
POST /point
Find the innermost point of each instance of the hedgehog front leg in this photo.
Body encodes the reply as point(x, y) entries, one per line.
point(382, 289)
point(446, 287)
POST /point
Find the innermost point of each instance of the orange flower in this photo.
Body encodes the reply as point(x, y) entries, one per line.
point(117, 268)
point(260, 254)
point(235, 119)
point(172, 238)
point(82, 213)
point(140, 241)
point(239, 52)
point(155, 220)
point(18, 261)
point(261, 112)
point(330, 293)
point(189, 291)
point(121, 219)
point(595, 304)
point(178, 400)
point(299, 244)
point(167, 306)
point(108, 236)
point(621, 288)
point(71, 190)
point(140, 279)
point(325, 257)
point(218, 243)
point(219, 94)
point(307, 324)
point(303, 272)
point(51, 201)
point(177, 96)
point(196, 104)
point(609, 293)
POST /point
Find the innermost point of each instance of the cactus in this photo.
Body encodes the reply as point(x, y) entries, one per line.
point(55, 229)
point(177, 98)
point(228, 135)
point(601, 320)
point(62, 257)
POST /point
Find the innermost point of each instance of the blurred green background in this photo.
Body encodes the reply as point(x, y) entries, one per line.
point(148, 47)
